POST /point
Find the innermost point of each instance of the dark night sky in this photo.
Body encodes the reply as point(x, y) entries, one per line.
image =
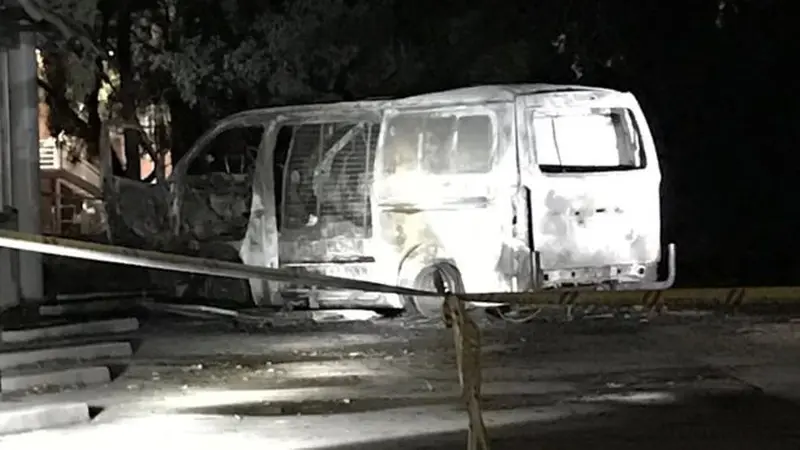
point(723, 102)
point(722, 97)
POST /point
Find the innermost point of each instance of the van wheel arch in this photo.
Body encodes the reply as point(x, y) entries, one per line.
point(431, 307)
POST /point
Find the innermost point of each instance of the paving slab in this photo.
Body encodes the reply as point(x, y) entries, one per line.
point(10, 382)
point(372, 429)
point(18, 418)
point(73, 329)
point(89, 307)
point(77, 352)
point(781, 380)
point(84, 296)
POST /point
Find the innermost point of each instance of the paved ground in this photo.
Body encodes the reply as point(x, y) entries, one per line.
point(674, 382)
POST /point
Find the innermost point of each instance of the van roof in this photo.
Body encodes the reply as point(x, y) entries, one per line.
point(499, 93)
point(490, 93)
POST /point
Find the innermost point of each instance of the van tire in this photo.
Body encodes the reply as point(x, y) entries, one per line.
point(431, 307)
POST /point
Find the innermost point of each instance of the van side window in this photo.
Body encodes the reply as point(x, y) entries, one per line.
point(327, 174)
point(438, 144)
point(474, 139)
point(231, 152)
point(586, 140)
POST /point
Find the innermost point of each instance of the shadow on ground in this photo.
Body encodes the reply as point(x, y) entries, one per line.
point(743, 421)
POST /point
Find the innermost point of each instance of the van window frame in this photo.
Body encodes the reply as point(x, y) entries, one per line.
point(553, 168)
point(440, 111)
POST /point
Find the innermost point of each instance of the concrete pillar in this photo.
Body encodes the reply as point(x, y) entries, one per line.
point(26, 187)
point(9, 275)
point(9, 283)
point(5, 132)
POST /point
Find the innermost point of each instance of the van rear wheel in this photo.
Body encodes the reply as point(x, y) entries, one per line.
point(431, 307)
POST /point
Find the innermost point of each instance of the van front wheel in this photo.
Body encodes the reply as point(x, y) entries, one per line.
point(431, 307)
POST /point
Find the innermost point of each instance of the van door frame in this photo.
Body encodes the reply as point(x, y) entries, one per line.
point(530, 174)
point(526, 160)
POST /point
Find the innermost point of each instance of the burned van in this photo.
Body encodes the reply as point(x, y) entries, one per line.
point(505, 188)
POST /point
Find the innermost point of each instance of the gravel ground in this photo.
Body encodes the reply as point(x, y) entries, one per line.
point(698, 380)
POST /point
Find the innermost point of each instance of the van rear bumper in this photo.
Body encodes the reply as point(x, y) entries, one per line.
point(657, 285)
point(631, 276)
point(645, 284)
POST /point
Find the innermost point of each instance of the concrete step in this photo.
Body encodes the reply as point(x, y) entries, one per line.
point(90, 307)
point(15, 381)
point(70, 330)
point(97, 296)
point(17, 418)
point(93, 351)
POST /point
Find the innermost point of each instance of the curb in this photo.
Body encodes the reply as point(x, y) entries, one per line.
point(89, 307)
point(18, 418)
point(74, 329)
point(79, 352)
point(61, 378)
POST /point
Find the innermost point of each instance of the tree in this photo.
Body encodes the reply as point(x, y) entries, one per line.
point(280, 52)
point(91, 53)
point(71, 73)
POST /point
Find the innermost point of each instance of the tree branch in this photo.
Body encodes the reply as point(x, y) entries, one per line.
point(80, 128)
point(68, 30)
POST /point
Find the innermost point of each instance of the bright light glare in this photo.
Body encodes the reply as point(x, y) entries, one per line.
point(210, 399)
point(640, 398)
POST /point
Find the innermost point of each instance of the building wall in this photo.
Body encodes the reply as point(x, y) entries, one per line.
point(148, 165)
point(48, 192)
point(44, 123)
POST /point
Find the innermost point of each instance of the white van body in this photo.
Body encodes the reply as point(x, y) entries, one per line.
point(509, 188)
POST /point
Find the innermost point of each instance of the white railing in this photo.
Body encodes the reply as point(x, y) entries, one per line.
point(49, 155)
point(73, 216)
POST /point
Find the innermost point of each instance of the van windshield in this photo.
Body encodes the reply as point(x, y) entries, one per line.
point(438, 144)
point(590, 140)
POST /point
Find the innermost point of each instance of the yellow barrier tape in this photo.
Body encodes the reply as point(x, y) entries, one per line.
point(467, 336)
point(704, 298)
point(467, 339)
point(466, 333)
point(181, 263)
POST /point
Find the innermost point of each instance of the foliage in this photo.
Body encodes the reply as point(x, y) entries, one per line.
point(215, 57)
point(222, 56)
point(263, 54)
point(67, 74)
point(697, 66)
